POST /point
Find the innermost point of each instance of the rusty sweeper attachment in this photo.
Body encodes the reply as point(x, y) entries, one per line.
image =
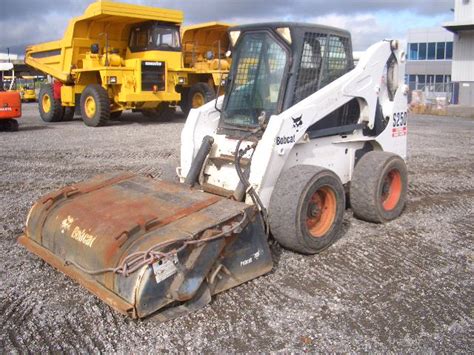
point(146, 246)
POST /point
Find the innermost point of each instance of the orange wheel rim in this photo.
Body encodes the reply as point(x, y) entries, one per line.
point(391, 190)
point(321, 212)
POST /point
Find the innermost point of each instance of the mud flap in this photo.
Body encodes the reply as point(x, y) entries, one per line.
point(201, 299)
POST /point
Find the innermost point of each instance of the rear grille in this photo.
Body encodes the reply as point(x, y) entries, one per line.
point(153, 73)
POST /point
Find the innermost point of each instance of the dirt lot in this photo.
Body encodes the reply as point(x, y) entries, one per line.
point(406, 285)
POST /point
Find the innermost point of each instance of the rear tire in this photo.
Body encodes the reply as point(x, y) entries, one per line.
point(162, 113)
point(306, 209)
point(379, 187)
point(95, 106)
point(199, 94)
point(50, 109)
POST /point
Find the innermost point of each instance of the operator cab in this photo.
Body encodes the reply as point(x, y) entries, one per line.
point(155, 36)
point(276, 65)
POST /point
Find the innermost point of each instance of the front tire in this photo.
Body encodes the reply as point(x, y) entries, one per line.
point(306, 209)
point(379, 187)
point(95, 106)
point(50, 109)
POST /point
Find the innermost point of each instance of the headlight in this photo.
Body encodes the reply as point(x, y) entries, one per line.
point(181, 80)
point(112, 80)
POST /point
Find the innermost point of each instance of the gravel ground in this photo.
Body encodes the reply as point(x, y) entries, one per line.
point(405, 286)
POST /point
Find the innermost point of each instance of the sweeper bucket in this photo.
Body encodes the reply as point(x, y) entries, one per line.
point(144, 245)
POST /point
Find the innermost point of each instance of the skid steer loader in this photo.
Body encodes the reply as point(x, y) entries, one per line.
point(298, 127)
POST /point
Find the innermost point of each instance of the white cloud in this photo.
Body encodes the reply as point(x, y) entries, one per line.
point(365, 28)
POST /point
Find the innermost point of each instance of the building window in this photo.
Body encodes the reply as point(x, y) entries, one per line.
point(422, 51)
point(440, 47)
point(430, 83)
point(412, 82)
point(430, 79)
point(449, 50)
point(421, 82)
point(431, 51)
point(413, 51)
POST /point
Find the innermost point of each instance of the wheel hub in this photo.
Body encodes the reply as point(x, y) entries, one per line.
point(90, 107)
point(321, 212)
point(391, 190)
point(314, 210)
point(198, 100)
point(46, 103)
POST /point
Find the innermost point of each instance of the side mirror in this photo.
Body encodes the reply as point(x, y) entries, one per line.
point(95, 48)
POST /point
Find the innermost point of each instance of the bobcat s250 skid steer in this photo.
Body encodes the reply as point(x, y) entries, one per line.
point(298, 128)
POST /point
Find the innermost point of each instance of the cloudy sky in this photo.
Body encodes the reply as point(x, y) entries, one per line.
point(24, 22)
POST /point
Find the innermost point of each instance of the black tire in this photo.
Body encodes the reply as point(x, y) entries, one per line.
point(115, 115)
point(68, 114)
point(9, 125)
point(184, 102)
point(306, 209)
point(13, 125)
point(379, 187)
point(204, 91)
point(162, 113)
point(96, 95)
point(50, 109)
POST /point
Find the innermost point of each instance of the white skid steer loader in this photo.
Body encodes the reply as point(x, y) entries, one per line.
point(299, 127)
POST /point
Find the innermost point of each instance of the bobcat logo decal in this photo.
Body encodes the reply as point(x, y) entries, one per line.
point(297, 122)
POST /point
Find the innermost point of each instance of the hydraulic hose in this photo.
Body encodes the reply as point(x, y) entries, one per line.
point(238, 155)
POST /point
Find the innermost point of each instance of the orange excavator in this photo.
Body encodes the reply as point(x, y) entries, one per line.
point(10, 101)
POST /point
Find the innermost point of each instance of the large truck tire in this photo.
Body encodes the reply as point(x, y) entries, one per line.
point(95, 106)
point(50, 109)
point(198, 95)
point(379, 187)
point(306, 209)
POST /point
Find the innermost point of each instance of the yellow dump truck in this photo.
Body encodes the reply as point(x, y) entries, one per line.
point(27, 88)
point(204, 56)
point(119, 56)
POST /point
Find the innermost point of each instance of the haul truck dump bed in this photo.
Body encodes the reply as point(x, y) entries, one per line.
point(112, 58)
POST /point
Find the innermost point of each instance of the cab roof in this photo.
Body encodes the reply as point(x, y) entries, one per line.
point(300, 26)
